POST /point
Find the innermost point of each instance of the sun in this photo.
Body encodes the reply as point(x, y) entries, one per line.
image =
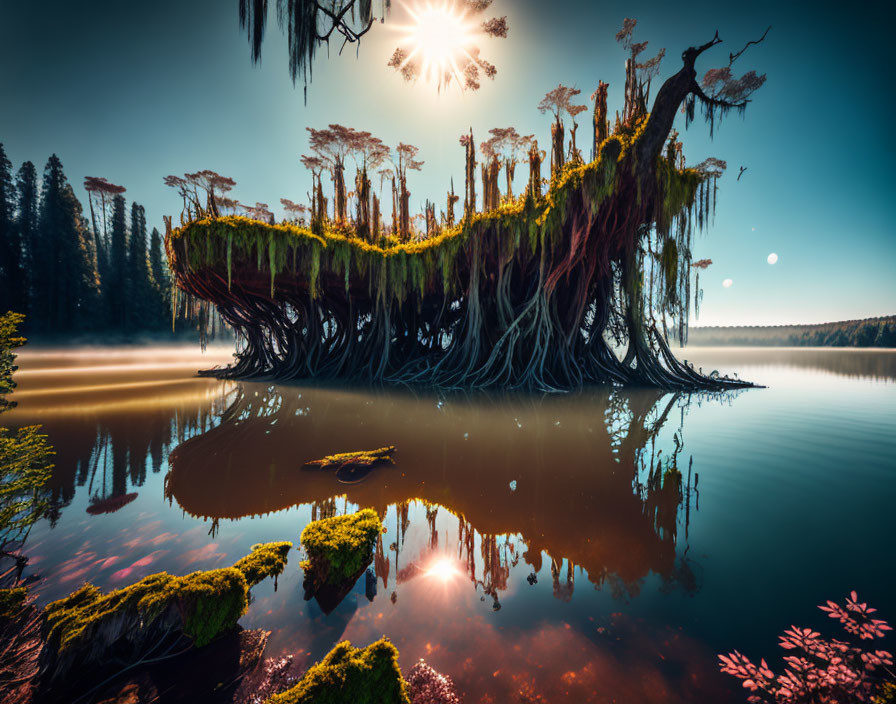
point(439, 37)
point(442, 569)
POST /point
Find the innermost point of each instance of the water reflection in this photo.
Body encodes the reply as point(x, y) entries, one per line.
point(853, 363)
point(580, 481)
point(112, 419)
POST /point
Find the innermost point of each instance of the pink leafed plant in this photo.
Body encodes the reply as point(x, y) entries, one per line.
point(820, 670)
point(428, 686)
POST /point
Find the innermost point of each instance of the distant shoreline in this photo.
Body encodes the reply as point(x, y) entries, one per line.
point(867, 333)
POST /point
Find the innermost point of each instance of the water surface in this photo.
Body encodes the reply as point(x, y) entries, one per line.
point(594, 547)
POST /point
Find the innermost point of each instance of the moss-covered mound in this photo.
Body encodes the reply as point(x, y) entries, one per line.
point(339, 548)
point(206, 603)
point(265, 560)
point(358, 675)
point(86, 628)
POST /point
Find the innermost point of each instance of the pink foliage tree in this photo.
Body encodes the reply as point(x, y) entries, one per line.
point(820, 670)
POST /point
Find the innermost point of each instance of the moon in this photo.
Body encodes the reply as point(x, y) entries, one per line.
point(727, 283)
point(772, 258)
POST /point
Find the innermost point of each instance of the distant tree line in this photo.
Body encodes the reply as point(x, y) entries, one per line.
point(870, 332)
point(71, 273)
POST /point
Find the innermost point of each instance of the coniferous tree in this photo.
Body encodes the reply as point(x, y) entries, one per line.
point(138, 286)
point(161, 279)
point(27, 220)
point(12, 270)
point(115, 287)
point(64, 278)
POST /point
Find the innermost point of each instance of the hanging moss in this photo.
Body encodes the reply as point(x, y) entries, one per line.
point(339, 547)
point(368, 675)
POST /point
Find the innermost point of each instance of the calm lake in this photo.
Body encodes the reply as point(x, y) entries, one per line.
point(539, 549)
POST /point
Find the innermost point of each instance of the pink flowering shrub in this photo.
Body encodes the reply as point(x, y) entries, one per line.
point(819, 670)
point(428, 686)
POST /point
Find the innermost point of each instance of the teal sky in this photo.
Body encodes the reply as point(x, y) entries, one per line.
point(135, 91)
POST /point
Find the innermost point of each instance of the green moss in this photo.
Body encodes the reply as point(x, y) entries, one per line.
point(265, 560)
point(363, 458)
point(11, 602)
point(208, 602)
point(368, 675)
point(340, 547)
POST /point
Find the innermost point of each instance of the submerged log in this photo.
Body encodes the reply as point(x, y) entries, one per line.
point(353, 467)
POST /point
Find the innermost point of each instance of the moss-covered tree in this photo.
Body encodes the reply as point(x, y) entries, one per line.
point(532, 293)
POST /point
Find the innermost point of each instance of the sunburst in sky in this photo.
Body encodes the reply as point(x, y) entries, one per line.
point(438, 39)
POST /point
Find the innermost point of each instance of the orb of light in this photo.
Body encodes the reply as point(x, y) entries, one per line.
point(442, 569)
point(439, 35)
point(727, 283)
point(772, 258)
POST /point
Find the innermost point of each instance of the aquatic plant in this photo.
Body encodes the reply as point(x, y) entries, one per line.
point(340, 547)
point(531, 293)
point(265, 560)
point(821, 670)
point(368, 675)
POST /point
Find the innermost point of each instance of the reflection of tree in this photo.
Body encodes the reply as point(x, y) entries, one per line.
point(597, 484)
point(109, 454)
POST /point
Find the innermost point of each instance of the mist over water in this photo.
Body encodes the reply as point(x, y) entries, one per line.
point(589, 547)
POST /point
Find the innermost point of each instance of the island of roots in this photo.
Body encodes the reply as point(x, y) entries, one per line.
point(585, 281)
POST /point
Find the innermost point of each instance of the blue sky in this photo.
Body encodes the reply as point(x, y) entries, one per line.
point(135, 91)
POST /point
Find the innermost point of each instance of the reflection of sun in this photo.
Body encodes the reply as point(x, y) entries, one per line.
point(438, 37)
point(442, 569)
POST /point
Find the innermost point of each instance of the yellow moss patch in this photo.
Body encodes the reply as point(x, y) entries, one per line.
point(265, 560)
point(209, 602)
point(339, 547)
point(368, 675)
point(364, 458)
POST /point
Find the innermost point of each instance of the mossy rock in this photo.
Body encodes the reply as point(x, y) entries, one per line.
point(265, 560)
point(86, 629)
point(368, 675)
point(340, 547)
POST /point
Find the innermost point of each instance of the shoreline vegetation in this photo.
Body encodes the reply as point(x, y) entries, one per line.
point(877, 333)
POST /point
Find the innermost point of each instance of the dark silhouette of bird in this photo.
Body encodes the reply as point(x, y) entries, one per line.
point(742, 169)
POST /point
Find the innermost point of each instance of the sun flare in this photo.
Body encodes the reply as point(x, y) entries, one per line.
point(442, 569)
point(439, 38)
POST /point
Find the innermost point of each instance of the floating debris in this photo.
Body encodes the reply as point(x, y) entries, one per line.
point(353, 467)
